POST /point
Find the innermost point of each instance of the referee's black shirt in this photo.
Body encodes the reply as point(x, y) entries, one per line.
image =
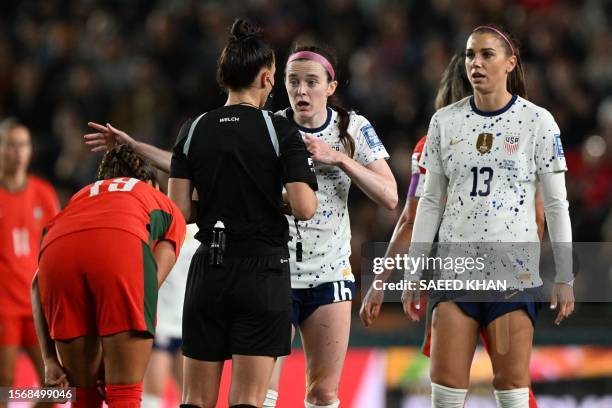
point(230, 158)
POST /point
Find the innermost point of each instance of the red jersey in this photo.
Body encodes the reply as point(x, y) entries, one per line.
point(122, 203)
point(22, 217)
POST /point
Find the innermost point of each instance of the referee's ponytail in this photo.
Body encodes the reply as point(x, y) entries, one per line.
point(122, 161)
point(244, 55)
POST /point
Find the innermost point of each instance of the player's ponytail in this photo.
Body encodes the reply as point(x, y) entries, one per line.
point(454, 84)
point(516, 83)
point(333, 102)
point(122, 161)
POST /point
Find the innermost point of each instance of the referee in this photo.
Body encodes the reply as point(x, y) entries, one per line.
point(237, 158)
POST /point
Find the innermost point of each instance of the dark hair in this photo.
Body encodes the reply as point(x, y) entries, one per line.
point(122, 161)
point(516, 83)
point(245, 53)
point(343, 113)
point(454, 84)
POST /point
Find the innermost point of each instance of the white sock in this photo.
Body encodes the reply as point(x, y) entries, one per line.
point(516, 398)
point(332, 405)
point(151, 401)
point(446, 397)
point(270, 401)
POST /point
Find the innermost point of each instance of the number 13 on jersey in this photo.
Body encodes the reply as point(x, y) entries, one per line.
point(486, 174)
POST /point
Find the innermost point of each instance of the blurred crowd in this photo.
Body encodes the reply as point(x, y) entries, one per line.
point(146, 66)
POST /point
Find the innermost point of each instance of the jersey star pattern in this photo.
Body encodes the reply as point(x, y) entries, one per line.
point(491, 161)
point(326, 237)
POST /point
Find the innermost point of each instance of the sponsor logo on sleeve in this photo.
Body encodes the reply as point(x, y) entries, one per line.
point(371, 137)
point(559, 146)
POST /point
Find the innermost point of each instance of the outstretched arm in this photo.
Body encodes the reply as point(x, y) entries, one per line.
point(107, 136)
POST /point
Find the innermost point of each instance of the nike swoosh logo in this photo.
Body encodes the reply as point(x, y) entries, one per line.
point(508, 296)
point(455, 141)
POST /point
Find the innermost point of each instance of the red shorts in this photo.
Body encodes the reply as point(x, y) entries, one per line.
point(18, 331)
point(98, 282)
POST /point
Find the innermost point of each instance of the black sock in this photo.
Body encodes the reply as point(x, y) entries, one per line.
point(188, 406)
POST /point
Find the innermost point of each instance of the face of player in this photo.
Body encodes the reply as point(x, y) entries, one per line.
point(487, 64)
point(15, 150)
point(308, 88)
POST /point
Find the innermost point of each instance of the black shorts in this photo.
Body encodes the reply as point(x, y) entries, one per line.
point(240, 307)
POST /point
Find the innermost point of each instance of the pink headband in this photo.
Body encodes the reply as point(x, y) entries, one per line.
point(484, 27)
point(313, 56)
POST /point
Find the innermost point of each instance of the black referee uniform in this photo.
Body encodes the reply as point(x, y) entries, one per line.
point(238, 158)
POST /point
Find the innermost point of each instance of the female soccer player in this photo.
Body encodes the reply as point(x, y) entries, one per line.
point(488, 150)
point(102, 261)
point(26, 205)
point(345, 148)
point(454, 86)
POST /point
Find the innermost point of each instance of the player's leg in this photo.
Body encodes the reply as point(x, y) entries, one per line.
point(201, 381)
point(82, 358)
point(8, 357)
point(533, 402)
point(250, 379)
point(37, 361)
point(510, 338)
point(325, 335)
point(454, 336)
point(272, 393)
point(126, 355)
point(156, 375)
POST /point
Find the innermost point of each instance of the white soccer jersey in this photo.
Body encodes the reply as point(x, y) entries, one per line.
point(491, 160)
point(172, 292)
point(326, 237)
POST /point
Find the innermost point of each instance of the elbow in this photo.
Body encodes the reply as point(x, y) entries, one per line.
point(391, 202)
point(391, 199)
point(306, 209)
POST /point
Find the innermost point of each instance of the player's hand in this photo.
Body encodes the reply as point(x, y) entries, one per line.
point(562, 297)
point(321, 152)
point(370, 306)
point(55, 376)
point(106, 137)
point(411, 302)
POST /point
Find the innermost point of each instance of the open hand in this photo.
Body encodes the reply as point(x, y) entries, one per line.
point(106, 137)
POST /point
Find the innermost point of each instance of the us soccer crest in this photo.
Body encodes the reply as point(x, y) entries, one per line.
point(511, 144)
point(484, 143)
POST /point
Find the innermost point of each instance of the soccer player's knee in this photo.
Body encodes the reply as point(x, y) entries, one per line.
point(447, 379)
point(510, 378)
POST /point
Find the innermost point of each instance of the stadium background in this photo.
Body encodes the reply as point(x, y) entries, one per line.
point(146, 66)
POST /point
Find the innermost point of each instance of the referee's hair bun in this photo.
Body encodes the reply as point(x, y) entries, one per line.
point(242, 30)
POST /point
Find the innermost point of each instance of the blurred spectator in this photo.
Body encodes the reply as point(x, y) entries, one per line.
point(145, 65)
